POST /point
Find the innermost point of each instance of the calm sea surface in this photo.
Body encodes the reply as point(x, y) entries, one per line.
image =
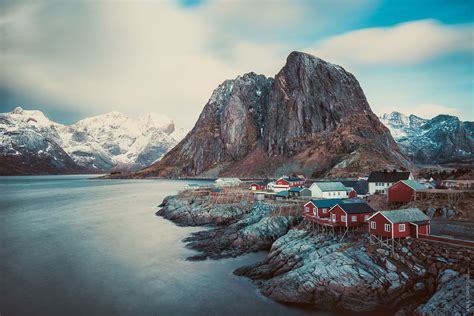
point(74, 246)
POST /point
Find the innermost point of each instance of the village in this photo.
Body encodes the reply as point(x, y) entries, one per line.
point(388, 205)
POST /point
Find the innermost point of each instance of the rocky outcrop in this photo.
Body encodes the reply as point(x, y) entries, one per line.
point(248, 227)
point(306, 267)
point(313, 118)
point(452, 296)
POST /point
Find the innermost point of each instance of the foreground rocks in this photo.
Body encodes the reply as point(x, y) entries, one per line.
point(306, 267)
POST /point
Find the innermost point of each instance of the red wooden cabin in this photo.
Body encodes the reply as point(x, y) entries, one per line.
point(257, 186)
point(351, 214)
point(352, 193)
point(402, 223)
point(404, 191)
point(285, 183)
point(320, 208)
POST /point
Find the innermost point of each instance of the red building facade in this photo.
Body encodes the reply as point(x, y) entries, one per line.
point(404, 191)
point(399, 223)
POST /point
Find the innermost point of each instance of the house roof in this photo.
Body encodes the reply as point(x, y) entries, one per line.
point(282, 193)
point(327, 203)
point(409, 215)
point(356, 208)
point(360, 186)
point(417, 186)
point(297, 189)
point(388, 176)
point(330, 186)
point(217, 190)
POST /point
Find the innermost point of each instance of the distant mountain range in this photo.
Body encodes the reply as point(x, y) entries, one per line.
point(30, 143)
point(312, 118)
point(442, 139)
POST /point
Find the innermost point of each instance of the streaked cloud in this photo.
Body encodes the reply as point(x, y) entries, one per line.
point(402, 44)
point(426, 111)
point(89, 57)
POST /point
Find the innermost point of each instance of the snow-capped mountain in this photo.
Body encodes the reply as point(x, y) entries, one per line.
point(443, 138)
point(112, 141)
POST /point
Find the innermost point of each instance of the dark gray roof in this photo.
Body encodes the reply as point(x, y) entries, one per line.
point(360, 186)
point(356, 208)
point(388, 176)
point(408, 215)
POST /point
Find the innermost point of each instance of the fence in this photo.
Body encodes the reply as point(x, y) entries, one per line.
point(452, 241)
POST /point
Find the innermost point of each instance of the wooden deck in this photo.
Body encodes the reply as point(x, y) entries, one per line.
point(324, 221)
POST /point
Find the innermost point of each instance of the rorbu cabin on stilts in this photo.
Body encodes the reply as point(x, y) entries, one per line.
point(386, 227)
point(337, 216)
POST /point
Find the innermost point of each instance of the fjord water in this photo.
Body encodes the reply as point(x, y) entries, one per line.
point(71, 245)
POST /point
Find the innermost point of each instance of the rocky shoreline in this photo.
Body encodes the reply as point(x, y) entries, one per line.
point(320, 270)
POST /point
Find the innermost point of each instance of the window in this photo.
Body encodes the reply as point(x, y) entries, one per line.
point(366, 218)
point(307, 209)
point(338, 193)
point(343, 218)
point(325, 210)
point(333, 217)
point(354, 218)
point(401, 227)
point(387, 227)
point(373, 225)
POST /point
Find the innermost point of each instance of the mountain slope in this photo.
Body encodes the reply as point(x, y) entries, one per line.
point(312, 118)
point(32, 144)
point(441, 139)
point(29, 145)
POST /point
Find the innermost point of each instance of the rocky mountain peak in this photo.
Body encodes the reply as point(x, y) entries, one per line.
point(258, 125)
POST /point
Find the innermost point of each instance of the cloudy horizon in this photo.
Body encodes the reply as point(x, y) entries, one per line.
point(80, 59)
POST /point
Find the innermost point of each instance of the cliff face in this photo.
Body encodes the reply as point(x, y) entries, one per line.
point(312, 118)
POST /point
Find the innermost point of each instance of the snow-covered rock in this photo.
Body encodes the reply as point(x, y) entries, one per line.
point(111, 141)
point(443, 138)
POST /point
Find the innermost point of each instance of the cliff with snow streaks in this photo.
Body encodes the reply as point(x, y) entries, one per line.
point(312, 118)
point(442, 139)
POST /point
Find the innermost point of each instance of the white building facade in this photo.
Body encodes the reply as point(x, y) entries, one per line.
point(327, 190)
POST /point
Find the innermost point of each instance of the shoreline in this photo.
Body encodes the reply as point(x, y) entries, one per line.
point(306, 268)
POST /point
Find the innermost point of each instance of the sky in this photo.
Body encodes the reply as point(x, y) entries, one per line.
point(75, 59)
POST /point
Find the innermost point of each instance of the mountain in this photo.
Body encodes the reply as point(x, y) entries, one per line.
point(312, 118)
point(441, 139)
point(30, 143)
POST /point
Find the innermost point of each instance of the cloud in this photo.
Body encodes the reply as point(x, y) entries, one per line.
point(426, 111)
point(91, 57)
point(125, 56)
point(403, 44)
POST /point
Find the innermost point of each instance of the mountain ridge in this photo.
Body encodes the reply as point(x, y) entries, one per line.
point(258, 126)
point(441, 139)
point(107, 142)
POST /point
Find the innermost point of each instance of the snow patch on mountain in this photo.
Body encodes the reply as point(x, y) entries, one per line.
point(440, 139)
point(104, 142)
